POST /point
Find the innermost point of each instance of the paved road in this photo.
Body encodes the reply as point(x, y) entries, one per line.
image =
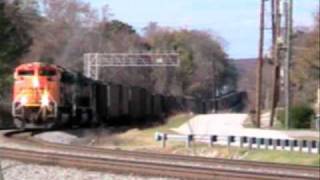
point(231, 124)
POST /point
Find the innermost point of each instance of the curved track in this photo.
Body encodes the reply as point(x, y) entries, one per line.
point(168, 165)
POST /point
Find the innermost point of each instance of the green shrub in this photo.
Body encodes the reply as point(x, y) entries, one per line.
point(300, 116)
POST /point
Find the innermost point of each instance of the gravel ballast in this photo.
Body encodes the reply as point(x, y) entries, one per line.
point(14, 170)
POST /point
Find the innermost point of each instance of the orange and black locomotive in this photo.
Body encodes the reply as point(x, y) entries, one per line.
point(44, 95)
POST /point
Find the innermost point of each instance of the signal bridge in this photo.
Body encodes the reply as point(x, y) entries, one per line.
point(94, 61)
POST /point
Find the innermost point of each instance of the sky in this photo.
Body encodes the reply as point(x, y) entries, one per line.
point(235, 21)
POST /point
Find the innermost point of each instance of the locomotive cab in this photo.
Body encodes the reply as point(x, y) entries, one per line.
point(35, 94)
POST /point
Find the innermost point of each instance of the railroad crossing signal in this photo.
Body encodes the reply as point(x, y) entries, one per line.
point(94, 61)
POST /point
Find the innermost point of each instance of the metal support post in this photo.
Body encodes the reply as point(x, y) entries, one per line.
point(274, 144)
point(250, 142)
point(189, 140)
point(230, 140)
point(260, 141)
point(291, 144)
point(164, 140)
point(309, 144)
point(300, 144)
point(267, 143)
point(212, 140)
point(243, 140)
point(282, 143)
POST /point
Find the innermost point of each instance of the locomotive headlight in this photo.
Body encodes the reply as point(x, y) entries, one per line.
point(35, 82)
point(23, 100)
point(45, 100)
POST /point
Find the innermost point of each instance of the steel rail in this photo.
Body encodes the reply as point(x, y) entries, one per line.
point(127, 166)
point(247, 166)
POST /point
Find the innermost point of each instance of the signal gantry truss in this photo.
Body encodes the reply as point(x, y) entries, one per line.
point(94, 61)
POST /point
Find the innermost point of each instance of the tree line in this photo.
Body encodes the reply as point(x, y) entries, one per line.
point(61, 31)
point(306, 63)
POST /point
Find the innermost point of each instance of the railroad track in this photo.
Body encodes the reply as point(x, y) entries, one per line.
point(208, 167)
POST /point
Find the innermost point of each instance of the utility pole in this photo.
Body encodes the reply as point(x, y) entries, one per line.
point(276, 59)
point(259, 65)
point(289, 23)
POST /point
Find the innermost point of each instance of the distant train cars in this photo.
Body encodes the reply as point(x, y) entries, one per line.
point(46, 95)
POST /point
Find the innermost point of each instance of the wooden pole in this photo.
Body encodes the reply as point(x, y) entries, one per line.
point(288, 15)
point(276, 63)
point(259, 66)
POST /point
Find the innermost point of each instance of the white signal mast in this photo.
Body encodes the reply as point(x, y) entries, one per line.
point(94, 61)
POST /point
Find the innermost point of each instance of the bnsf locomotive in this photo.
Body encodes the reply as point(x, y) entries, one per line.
point(47, 95)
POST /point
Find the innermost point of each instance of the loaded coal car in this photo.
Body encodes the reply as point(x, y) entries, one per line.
point(180, 104)
point(191, 104)
point(157, 110)
point(124, 103)
point(135, 105)
point(142, 94)
point(148, 104)
point(114, 103)
point(165, 104)
point(100, 102)
point(46, 95)
point(172, 104)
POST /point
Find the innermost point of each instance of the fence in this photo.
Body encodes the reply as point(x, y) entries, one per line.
point(310, 146)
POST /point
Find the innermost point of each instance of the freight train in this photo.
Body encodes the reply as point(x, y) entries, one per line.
point(47, 96)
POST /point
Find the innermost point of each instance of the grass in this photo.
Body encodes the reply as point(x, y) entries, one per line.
point(173, 122)
point(245, 154)
point(137, 138)
point(143, 140)
point(283, 157)
point(200, 149)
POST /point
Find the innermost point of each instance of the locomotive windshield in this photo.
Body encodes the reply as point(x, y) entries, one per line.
point(47, 72)
point(26, 73)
